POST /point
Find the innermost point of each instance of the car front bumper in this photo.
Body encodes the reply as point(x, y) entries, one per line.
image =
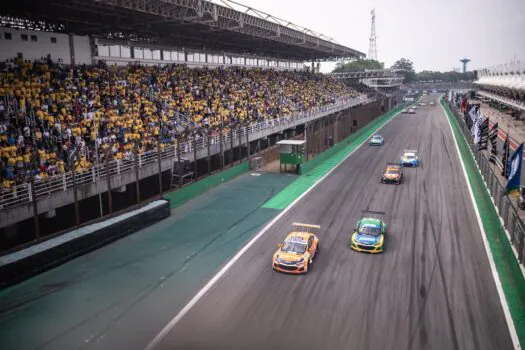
point(366, 249)
point(293, 269)
point(390, 181)
point(408, 164)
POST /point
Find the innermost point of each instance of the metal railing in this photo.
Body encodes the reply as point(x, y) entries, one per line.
point(504, 100)
point(506, 208)
point(22, 194)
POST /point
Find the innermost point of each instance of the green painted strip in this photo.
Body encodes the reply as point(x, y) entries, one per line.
point(324, 162)
point(507, 266)
point(191, 191)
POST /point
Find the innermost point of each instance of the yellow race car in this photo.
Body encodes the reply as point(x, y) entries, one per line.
point(295, 255)
point(369, 233)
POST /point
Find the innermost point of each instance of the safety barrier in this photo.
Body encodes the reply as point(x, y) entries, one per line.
point(22, 194)
point(507, 210)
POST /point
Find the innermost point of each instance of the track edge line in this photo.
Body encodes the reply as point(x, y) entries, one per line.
point(495, 274)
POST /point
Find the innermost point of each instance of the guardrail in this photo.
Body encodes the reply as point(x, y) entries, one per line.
point(505, 100)
point(22, 194)
point(507, 211)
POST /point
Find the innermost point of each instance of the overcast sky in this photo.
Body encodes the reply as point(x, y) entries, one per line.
point(434, 34)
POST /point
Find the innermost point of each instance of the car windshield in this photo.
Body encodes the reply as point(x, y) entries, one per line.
point(370, 230)
point(376, 137)
point(293, 247)
point(392, 171)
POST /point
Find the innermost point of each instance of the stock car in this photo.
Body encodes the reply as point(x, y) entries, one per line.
point(376, 140)
point(296, 254)
point(406, 110)
point(432, 104)
point(409, 158)
point(369, 234)
point(393, 174)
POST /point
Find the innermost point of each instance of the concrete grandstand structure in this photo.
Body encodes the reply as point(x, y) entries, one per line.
point(504, 84)
point(193, 33)
point(384, 80)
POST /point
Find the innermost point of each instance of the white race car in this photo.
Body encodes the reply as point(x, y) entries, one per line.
point(409, 158)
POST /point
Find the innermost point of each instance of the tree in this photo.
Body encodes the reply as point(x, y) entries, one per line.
point(427, 76)
point(406, 65)
point(357, 66)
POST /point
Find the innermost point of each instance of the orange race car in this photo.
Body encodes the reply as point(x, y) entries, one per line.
point(392, 174)
point(297, 252)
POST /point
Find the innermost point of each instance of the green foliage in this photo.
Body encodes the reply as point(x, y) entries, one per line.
point(444, 76)
point(357, 66)
point(404, 64)
point(412, 76)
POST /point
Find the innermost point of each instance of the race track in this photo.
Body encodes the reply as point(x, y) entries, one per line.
point(431, 289)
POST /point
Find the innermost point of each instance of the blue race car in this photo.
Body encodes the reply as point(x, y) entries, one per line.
point(369, 234)
point(376, 140)
point(409, 158)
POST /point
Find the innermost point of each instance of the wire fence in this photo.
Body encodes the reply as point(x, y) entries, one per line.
point(22, 193)
point(507, 209)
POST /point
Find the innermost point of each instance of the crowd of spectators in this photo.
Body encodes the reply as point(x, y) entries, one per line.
point(61, 117)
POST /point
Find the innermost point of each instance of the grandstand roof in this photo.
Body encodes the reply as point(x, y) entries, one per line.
point(188, 24)
point(369, 73)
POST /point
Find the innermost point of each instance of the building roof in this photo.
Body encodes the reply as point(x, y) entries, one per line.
point(191, 25)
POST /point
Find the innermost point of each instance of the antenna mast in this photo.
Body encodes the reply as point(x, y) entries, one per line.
point(372, 49)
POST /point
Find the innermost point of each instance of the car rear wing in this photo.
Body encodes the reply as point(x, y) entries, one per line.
point(410, 151)
point(305, 227)
point(393, 164)
point(379, 213)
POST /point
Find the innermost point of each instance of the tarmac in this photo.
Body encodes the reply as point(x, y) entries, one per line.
point(120, 295)
point(431, 289)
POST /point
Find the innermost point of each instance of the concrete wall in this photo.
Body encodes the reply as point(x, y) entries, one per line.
point(40, 44)
point(51, 253)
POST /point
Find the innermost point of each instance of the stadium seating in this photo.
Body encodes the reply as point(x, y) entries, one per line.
point(49, 111)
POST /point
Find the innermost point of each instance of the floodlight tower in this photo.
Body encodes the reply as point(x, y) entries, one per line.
point(372, 48)
point(465, 61)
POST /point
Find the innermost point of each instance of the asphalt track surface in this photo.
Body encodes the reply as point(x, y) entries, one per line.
point(431, 289)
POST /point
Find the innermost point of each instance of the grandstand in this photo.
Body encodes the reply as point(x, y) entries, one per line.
point(130, 89)
point(384, 82)
point(504, 85)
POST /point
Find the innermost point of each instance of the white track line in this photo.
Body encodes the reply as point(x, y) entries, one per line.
point(502, 298)
point(223, 271)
